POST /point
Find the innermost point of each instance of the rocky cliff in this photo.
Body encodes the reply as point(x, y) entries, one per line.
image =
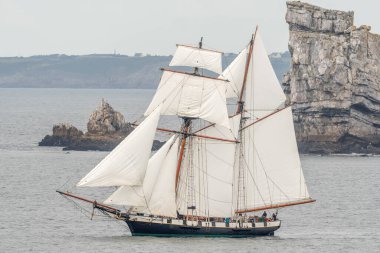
point(334, 81)
point(106, 128)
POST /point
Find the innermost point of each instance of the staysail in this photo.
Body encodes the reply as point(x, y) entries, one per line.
point(197, 57)
point(163, 198)
point(139, 196)
point(234, 73)
point(127, 163)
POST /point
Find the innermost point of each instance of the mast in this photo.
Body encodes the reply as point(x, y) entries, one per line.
point(241, 102)
point(196, 69)
point(185, 130)
point(241, 195)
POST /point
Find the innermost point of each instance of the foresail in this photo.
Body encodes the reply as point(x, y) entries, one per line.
point(162, 201)
point(139, 196)
point(274, 173)
point(211, 163)
point(127, 163)
point(197, 57)
point(192, 96)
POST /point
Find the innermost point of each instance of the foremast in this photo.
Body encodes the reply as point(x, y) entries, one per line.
point(184, 131)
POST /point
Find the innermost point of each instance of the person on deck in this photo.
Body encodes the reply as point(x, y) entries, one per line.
point(274, 216)
point(264, 214)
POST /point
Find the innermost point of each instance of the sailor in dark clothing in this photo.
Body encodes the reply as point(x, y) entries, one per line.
point(264, 214)
point(274, 216)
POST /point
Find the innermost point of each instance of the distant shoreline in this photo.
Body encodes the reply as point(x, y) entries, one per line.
point(99, 71)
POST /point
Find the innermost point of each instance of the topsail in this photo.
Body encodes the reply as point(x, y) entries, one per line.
point(198, 58)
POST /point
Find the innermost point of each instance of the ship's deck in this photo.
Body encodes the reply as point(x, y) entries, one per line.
point(201, 223)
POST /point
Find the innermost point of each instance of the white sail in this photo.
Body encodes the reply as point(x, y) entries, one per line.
point(163, 198)
point(263, 93)
point(212, 162)
point(197, 57)
point(127, 163)
point(274, 174)
point(234, 73)
point(192, 96)
point(139, 196)
point(272, 168)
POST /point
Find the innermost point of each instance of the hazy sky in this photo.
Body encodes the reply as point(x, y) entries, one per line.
point(30, 27)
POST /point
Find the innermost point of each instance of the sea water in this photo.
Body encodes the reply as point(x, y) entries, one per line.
point(34, 218)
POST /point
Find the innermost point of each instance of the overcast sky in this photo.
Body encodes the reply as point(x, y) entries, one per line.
point(40, 27)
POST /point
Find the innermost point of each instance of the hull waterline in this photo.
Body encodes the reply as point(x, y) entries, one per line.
point(144, 228)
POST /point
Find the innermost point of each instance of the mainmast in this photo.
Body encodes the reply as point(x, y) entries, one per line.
point(240, 106)
point(241, 200)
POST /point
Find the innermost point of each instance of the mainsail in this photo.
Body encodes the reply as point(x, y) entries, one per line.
point(273, 169)
point(127, 163)
point(268, 165)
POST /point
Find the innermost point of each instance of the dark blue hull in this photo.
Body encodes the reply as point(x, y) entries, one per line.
point(157, 229)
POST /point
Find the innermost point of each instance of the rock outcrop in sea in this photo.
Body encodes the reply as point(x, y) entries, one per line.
point(106, 128)
point(64, 134)
point(334, 81)
point(105, 120)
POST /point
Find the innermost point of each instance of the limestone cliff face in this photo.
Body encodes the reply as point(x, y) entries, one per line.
point(334, 81)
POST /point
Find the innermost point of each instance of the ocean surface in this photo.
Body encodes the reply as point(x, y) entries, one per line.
point(34, 218)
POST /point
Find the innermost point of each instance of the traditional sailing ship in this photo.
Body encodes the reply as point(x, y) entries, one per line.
point(214, 174)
